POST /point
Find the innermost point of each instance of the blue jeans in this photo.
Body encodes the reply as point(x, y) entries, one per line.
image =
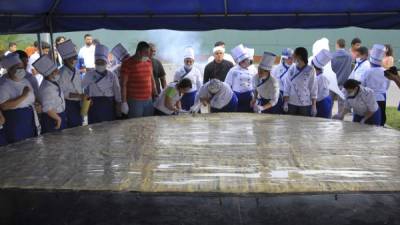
point(140, 108)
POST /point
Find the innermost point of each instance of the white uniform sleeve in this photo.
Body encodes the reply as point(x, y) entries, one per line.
point(369, 99)
point(177, 76)
point(313, 85)
point(229, 77)
point(287, 86)
point(364, 78)
point(116, 88)
point(4, 95)
point(275, 98)
point(199, 80)
point(47, 99)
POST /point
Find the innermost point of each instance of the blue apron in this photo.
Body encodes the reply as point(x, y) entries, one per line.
point(324, 108)
point(375, 119)
point(102, 109)
point(73, 113)
point(48, 124)
point(244, 100)
point(19, 125)
point(187, 100)
point(276, 109)
point(230, 107)
point(3, 140)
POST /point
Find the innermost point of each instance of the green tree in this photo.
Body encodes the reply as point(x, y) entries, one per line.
point(22, 40)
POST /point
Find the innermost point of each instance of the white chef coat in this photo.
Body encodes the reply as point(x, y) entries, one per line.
point(194, 75)
point(375, 79)
point(364, 101)
point(160, 101)
point(35, 56)
point(280, 71)
point(301, 86)
point(359, 70)
point(96, 85)
point(51, 97)
point(220, 99)
point(70, 82)
point(323, 87)
point(34, 83)
point(10, 89)
point(268, 89)
point(87, 54)
point(240, 79)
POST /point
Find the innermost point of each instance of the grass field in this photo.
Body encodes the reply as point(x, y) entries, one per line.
point(393, 117)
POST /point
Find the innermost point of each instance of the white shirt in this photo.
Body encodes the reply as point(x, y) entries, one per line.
point(194, 75)
point(375, 79)
point(35, 56)
point(87, 54)
point(34, 83)
point(6, 53)
point(220, 99)
point(323, 87)
point(51, 97)
point(227, 57)
point(160, 101)
point(280, 71)
point(359, 70)
point(96, 85)
point(267, 90)
point(240, 79)
point(253, 69)
point(301, 86)
point(363, 102)
point(10, 89)
point(70, 82)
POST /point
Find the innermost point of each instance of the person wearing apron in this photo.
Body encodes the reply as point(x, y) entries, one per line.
point(362, 101)
point(324, 99)
point(267, 86)
point(103, 88)
point(71, 84)
point(300, 94)
point(3, 140)
point(193, 74)
point(51, 97)
point(218, 95)
point(375, 79)
point(280, 72)
point(16, 102)
point(240, 79)
point(169, 101)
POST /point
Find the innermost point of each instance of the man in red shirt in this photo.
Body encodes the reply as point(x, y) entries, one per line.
point(138, 86)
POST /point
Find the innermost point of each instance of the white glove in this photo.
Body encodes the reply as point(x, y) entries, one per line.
point(182, 111)
point(195, 108)
point(363, 120)
point(125, 108)
point(286, 107)
point(313, 111)
point(258, 108)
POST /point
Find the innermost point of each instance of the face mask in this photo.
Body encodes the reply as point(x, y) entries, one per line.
point(20, 74)
point(358, 59)
point(352, 93)
point(145, 58)
point(56, 78)
point(187, 67)
point(101, 68)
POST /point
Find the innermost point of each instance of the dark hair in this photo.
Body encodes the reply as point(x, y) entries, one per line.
point(21, 54)
point(58, 39)
point(356, 41)
point(142, 46)
point(341, 43)
point(36, 44)
point(389, 50)
point(184, 83)
point(351, 84)
point(219, 43)
point(96, 41)
point(45, 45)
point(87, 35)
point(12, 44)
point(362, 50)
point(302, 53)
point(316, 67)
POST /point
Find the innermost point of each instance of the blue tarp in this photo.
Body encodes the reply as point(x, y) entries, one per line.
point(33, 16)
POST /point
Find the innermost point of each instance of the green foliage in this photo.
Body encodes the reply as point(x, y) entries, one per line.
point(393, 117)
point(22, 41)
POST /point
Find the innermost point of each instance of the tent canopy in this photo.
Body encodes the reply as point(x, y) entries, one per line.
point(21, 16)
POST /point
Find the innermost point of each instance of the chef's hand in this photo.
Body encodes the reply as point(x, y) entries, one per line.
point(313, 110)
point(286, 107)
point(125, 108)
point(58, 123)
point(363, 120)
point(258, 108)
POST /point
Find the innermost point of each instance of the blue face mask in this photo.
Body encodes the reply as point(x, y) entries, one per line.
point(20, 74)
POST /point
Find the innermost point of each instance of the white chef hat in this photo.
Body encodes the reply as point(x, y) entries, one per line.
point(239, 53)
point(267, 61)
point(250, 52)
point(377, 54)
point(214, 86)
point(44, 65)
point(322, 58)
point(10, 60)
point(67, 49)
point(188, 53)
point(101, 52)
point(287, 53)
point(119, 52)
point(218, 48)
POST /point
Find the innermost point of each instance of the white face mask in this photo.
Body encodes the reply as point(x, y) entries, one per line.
point(358, 59)
point(56, 78)
point(145, 58)
point(20, 74)
point(101, 68)
point(351, 94)
point(187, 67)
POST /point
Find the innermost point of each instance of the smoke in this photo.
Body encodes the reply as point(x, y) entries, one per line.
point(171, 44)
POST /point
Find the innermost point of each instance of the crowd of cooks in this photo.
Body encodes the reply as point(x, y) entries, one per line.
point(42, 92)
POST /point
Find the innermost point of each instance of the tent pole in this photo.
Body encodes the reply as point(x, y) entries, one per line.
point(39, 44)
point(53, 54)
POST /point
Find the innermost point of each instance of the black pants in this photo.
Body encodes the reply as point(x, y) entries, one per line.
point(299, 110)
point(382, 106)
